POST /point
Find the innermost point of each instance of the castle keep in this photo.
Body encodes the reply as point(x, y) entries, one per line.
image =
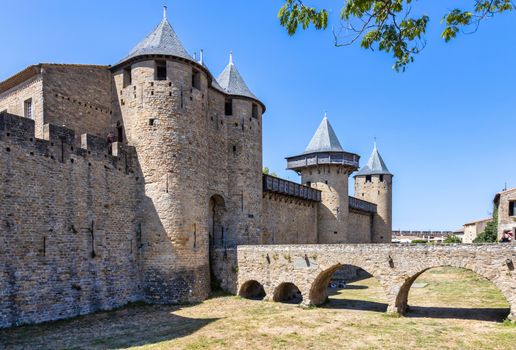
point(128, 183)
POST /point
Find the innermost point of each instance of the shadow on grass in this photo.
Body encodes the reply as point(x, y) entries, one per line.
point(351, 304)
point(131, 326)
point(479, 314)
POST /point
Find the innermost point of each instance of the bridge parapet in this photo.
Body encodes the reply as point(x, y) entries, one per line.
point(396, 266)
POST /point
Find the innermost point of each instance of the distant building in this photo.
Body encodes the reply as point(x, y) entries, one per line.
point(429, 236)
point(505, 202)
point(473, 229)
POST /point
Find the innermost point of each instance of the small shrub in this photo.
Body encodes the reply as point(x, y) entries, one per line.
point(419, 241)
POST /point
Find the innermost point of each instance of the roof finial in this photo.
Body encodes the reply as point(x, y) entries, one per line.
point(375, 142)
point(325, 115)
point(231, 57)
point(164, 9)
point(201, 57)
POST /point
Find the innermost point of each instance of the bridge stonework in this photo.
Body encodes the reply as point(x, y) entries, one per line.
point(396, 267)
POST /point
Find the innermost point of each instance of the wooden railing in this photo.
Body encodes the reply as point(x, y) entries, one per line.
point(289, 188)
point(321, 158)
point(362, 205)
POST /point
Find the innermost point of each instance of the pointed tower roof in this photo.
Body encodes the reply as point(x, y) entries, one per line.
point(375, 165)
point(162, 41)
point(323, 149)
point(232, 82)
point(324, 139)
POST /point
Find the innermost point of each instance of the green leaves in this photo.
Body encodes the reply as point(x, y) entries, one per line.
point(294, 13)
point(386, 25)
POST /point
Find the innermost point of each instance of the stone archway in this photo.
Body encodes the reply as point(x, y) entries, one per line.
point(253, 290)
point(401, 304)
point(287, 292)
point(216, 230)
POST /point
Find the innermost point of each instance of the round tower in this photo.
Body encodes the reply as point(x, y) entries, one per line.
point(162, 93)
point(326, 166)
point(243, 114)
point(373, 183)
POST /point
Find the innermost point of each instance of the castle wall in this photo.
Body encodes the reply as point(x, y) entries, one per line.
point(69, 242)
point(360, 227)
point(78, 97)
point(13, 101)
point(288, 220)
point(166, 122)
point(380, 193)
point(245, 170)
point(333, 212)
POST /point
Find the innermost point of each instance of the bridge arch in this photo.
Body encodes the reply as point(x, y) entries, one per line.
point(253, 290)
point(287, 292)
point(401, 303)
point(318, 293)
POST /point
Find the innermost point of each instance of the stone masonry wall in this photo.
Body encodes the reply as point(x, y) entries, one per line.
point(288, 220)
point(506, 222)
point(13, 101)
point(360, 227)
point(396, 267)
point(69, 238)
point(78, 97)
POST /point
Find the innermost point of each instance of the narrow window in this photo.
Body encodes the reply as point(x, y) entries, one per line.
point(152, 121)
point(255, 111)
point(161, 70)
point(512, 208)
point(309, 183)
point(128, 77)
point(28, 108)
point(196, 79)
point(229, 107)
point(120, 132)
point(368, 178)
point(381, 178)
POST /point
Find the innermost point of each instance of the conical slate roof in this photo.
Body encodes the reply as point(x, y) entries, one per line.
point(162, 41)
point(375, 165)
point(232, 82)
point(325, 139)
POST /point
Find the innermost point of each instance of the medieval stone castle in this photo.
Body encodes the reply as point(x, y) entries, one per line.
point(129, 183)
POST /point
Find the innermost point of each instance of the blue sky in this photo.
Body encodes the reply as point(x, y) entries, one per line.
point(445, 127)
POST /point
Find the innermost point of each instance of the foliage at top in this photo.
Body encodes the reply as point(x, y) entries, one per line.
point(387, 25)
point(452, 239)
point(490, 234)
point(266, 171)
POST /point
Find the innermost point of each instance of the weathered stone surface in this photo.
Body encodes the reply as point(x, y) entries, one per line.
point(395, 266)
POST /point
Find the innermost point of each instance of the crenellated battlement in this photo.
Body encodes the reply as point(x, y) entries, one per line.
point(60, 144)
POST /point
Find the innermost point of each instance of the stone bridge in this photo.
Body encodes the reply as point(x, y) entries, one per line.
point(279, 269)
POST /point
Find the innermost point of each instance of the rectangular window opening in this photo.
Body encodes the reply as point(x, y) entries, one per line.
point(196, 79)
point(368, 178)
point(128, 77)
point(512, 208)
point(228, 108)
point(255, 111)
point(161, 70)
point(27, 108)
point(381, 178)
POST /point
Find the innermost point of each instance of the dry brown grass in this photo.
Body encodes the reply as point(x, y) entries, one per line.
point(352, 320)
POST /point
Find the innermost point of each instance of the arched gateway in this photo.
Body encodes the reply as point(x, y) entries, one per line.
point(396, 267)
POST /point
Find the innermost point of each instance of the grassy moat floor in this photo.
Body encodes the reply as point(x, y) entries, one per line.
point(456, 310)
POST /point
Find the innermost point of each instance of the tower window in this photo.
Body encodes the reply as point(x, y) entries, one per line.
point(512, 208)
point(27, 108)
point(228, 108)
point(255, 111)
point(309, 183)
point(161, 70)
point(381, 178)
point(196, 79)
point(128, 77)
point(368, 178)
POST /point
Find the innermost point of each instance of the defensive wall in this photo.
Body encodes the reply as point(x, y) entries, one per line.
point(70, 241)
point(310, 268)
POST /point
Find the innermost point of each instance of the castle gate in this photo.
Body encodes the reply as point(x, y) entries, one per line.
point(310, 267)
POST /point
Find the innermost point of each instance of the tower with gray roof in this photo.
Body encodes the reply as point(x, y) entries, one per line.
point(326, 166)
point(373, 183)
point(198, 142)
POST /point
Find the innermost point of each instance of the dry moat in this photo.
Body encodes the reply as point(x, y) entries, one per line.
point(450, 309)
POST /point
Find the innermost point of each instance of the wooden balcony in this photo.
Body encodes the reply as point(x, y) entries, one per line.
point(359, 204)
point(323, 158)
point(289, 188)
